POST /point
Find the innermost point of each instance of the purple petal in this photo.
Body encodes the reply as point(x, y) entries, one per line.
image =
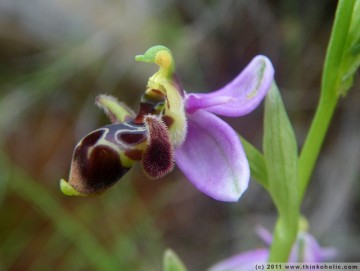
point(264, 234)
point(239, 97)
point(212, 157)
point(308, 250)
point(242, 262)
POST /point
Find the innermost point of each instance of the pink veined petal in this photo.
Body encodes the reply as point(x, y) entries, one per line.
point(239, 97)
point(212, 157)
point(242, 262)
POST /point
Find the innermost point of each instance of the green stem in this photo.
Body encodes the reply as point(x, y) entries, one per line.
point(283, 240)
point(330, 86)
point(314, 140)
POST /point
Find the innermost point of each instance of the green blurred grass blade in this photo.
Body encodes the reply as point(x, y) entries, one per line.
point(54, 249)
point(16, 240)
point(40, 198)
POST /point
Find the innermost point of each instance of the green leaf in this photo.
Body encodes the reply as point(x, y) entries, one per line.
point(280, 152)
point(172, 262)
point(355, 50)
point(355, 24)
point(281, 158)
point(352, 56)
point(256, 162)
point(341, 63)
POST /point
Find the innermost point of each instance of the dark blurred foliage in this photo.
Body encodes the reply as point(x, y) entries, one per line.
point(56, 56)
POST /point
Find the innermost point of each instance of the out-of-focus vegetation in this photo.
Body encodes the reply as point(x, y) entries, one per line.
point(56, 56)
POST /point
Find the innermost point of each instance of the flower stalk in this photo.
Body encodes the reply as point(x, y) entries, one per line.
point(338, 66)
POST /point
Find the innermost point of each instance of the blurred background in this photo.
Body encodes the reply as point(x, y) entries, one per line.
point(57, 55)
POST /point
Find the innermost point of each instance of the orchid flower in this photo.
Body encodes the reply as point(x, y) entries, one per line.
point(305, 250)
point(172, 125)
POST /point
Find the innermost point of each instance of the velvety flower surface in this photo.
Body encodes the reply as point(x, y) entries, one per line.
point(172, 125)
point(305, 250)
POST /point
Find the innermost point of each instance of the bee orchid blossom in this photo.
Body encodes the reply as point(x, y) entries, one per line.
point(172, 125)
